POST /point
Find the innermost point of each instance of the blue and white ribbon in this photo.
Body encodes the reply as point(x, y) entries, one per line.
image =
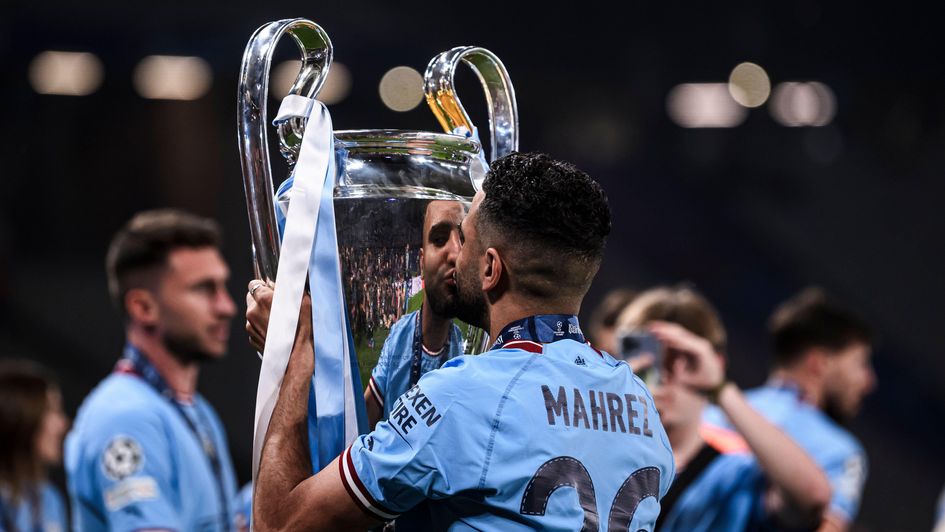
point(310, 252)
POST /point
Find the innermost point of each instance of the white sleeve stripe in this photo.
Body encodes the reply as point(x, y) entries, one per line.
point(377, 394)
point(352, 482)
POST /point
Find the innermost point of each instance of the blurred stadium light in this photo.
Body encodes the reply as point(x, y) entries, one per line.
point(167, 77)
point(703, 105)
point(66, 73)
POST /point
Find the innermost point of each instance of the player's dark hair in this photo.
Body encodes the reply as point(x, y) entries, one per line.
point(140, 249)
point(24, 399)
point(682, 305)
point(813, 319)
point(559, 218)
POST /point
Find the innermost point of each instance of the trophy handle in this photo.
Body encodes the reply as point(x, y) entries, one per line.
point(500, 95)
point(316, 50)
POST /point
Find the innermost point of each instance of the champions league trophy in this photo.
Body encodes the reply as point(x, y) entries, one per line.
point(354, 228)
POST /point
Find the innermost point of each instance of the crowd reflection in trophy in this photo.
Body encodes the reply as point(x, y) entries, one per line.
point(376, 294)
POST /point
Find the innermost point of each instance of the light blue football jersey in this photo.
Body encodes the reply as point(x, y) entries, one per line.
point(52, 515)
point(556, 436)
point(391, 376)
point(831, 446)
point(726, 497)
point(134, 463)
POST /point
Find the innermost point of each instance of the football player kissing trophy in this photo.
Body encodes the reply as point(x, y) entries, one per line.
point(347, 223)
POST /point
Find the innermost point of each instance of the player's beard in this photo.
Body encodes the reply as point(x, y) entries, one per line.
point(185, 347)
point(470, 300)
point(442, 300)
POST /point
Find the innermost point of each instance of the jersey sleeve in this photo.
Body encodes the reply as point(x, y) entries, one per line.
point(133, 472)
point(847, 476)
point(425, 449)
point(380, 375)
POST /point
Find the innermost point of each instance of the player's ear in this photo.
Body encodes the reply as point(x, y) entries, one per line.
point(493, 269)
point(142, 307)
point(421, 262)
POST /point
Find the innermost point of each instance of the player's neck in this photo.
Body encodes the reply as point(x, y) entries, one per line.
point(180, 376)
point(808, 385)
point(509, 309)
point(686, 442)
point(435, 329)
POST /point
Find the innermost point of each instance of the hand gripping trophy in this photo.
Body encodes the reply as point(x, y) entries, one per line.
point(347, 223)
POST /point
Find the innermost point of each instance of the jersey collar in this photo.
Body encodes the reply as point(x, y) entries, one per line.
point(531, 332)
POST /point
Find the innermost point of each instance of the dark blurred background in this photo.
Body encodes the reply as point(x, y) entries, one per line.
point(749, 214)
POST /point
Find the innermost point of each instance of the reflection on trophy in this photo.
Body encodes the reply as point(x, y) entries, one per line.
point(384, 180)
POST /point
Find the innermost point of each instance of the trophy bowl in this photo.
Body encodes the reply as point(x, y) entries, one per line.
point(385, 180)
point(388, 178)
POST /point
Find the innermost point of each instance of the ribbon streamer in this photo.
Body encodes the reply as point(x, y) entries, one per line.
point(310, 251)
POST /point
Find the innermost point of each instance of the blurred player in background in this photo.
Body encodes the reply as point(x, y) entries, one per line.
point(726, 480)
point(602, 331)
point(821, 374)
point(147, 451)
point(32, 425)
point(514, 438)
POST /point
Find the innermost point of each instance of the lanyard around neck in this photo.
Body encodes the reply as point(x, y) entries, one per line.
point(418, 349)
point(133, 362)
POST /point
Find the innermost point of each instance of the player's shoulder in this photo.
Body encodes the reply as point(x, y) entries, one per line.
point(120, 403)
point(458, 369)
point(473, 379)
point(782, 406)
point(811, 426)
point(834, 438)
point(404, 325)
point(121, 393)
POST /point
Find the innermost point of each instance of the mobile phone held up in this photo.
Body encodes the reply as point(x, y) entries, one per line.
point(638, 342)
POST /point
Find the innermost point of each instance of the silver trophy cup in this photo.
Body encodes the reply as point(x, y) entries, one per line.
point(386, 178)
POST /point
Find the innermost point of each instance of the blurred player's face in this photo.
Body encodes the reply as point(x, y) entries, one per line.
point(678, 405)
point(848, 378)
point(471, 301)
point(52, 428)
point(438, 255)
point(195, 307)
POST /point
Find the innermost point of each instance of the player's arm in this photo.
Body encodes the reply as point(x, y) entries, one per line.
point(377, 385)
point(786, 465)
point(833, 523)
point(374, 409)
point(287, 496)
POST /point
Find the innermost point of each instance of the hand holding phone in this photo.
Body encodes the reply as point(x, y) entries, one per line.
point(644, 352)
